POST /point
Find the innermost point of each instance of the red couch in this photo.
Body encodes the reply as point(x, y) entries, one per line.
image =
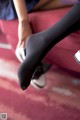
point(63, 53)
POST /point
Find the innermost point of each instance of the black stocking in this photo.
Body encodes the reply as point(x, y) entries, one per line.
point(39, 44)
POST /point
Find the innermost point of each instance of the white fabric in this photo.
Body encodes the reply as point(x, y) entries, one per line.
point(77, 56)
point(20, 54)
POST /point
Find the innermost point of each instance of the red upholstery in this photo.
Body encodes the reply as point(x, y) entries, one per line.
point(63, 53)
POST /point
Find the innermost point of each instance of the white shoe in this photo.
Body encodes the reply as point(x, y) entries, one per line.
point(38, 80)
point(77, 56)
point(39, 83)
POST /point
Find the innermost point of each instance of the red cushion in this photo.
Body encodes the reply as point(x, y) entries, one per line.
point(63, 53)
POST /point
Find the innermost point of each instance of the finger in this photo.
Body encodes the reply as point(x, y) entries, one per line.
point(18, 55)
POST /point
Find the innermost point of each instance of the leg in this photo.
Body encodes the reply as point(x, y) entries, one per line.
point(52, 4)
point(48, 5)
point(39, 44)
point(40, 4)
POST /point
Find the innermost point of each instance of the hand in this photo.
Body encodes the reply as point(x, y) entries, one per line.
point(24, 30)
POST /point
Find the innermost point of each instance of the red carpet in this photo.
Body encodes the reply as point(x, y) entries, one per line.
point(60, 100)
